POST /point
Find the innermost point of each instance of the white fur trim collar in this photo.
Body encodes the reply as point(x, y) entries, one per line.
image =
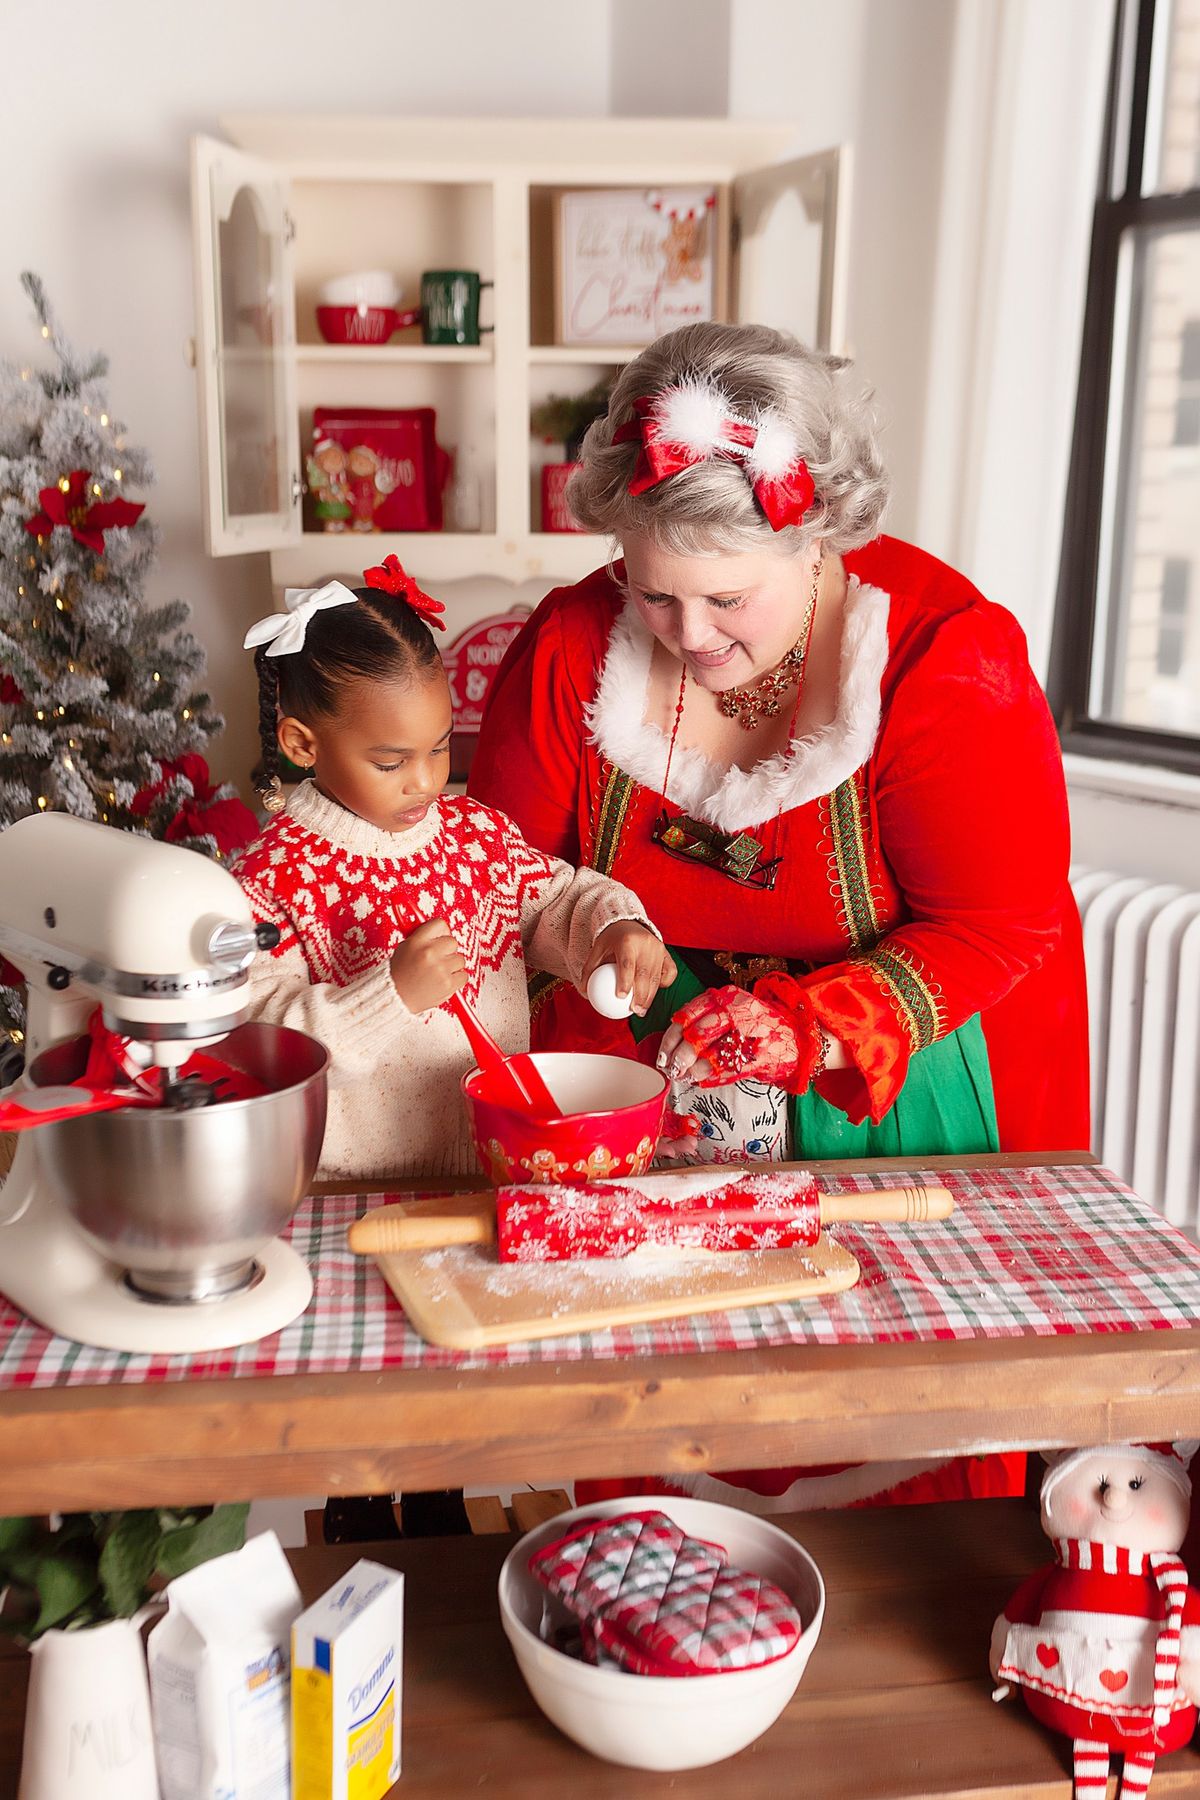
point(808, 1493)
point(736, 799)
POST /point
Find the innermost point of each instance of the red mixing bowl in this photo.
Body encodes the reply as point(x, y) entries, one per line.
point(613, 1114)
point(373, 325)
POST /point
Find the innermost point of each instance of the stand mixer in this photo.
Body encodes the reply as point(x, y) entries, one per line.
point(150, 1230)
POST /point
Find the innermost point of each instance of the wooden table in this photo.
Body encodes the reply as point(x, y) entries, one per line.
point(895, 1705)
point(216, 1439)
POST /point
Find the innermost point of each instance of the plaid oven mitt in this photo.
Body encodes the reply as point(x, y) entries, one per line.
point(653, 1601)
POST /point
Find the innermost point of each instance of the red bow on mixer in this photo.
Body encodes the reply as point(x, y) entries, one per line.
point(389, 577)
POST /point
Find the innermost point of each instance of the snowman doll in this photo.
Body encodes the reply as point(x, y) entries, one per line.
point(1104, 1642)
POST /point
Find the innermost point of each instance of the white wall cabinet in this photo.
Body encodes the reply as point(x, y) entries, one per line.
point(289, 202)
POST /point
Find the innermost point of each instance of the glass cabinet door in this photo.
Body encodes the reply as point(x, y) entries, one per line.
point(245, 353)
point(790, 247)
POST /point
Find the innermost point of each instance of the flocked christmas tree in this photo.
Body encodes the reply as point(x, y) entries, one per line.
point(102, 709)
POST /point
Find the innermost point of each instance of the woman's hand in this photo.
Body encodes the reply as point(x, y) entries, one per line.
point(428, 966)
point(726, 1035)
point(642, 963)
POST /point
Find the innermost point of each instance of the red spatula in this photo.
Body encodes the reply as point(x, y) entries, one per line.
point(511, 1080)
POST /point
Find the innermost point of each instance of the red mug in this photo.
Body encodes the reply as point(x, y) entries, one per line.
point(364, 324)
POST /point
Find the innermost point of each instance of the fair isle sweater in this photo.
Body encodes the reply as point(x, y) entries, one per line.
point(329, 881)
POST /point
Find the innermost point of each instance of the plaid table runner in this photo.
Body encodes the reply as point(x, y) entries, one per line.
point(1029, 1252)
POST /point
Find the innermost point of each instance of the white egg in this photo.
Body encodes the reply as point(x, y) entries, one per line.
point(602, 993)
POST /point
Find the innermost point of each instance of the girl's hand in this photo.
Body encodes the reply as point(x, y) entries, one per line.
point(643, 966)
point(428, 966)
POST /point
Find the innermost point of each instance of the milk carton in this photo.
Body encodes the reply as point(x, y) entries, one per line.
point(347, 1656)
point(219, 1677)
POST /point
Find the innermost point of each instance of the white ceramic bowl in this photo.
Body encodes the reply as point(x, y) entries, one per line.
point(662, 1722)
point(364, 287)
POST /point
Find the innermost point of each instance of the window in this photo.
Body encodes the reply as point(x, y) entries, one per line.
point(1125, 674)
point(1172, 620)
point(1187, 400)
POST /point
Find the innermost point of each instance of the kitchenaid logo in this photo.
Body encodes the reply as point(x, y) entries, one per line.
point(364, 1690)
point(200, 983)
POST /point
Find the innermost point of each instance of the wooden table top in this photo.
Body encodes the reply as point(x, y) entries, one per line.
point(895, 1703)
point(215, 1439)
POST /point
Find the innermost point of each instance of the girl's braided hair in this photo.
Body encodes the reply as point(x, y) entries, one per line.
point(380, 639)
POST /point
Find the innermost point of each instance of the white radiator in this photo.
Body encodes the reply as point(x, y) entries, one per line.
point(1141, 942)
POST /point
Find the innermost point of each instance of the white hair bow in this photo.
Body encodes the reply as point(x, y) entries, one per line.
point(284, 632)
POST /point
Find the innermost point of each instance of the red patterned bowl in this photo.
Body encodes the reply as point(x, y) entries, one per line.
point(371, 325)
point(613, 1113)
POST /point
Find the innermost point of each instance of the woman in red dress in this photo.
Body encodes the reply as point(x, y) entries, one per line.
point(821, 758)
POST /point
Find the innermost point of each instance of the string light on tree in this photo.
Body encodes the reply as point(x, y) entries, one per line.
point(75, 556)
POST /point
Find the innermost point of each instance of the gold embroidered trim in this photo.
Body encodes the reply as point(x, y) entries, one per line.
point(541, 986)
point(916, 999)
point(610, 818)
point(849, 859)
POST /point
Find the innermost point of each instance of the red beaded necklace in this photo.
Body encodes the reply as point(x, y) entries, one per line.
point(737, 854)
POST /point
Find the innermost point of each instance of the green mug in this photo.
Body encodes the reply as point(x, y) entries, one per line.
point(450, 306)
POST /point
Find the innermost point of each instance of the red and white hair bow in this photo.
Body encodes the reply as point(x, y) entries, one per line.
point(695, 423)
point(389, 578)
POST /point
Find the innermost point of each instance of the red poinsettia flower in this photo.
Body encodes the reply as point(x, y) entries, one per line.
point(389, 578)
point(10, 693)
point(87, 524)
point(229, 821)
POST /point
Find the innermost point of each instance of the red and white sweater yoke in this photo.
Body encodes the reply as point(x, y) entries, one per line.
point(329, 880)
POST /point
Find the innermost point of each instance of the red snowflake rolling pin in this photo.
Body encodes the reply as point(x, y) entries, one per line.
point(1104, 1641)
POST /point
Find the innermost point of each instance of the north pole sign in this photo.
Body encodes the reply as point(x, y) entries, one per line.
point(471, 664)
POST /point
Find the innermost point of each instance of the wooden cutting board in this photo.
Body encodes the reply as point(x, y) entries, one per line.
point(465, 1298)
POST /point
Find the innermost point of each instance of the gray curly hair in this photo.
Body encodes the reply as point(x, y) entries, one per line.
point(710, 507)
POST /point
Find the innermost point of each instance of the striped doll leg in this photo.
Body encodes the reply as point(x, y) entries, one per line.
point(1091, 1769)
point(1139, 1767)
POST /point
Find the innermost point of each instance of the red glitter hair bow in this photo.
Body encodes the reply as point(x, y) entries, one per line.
point(389, 578)
point(694, 423)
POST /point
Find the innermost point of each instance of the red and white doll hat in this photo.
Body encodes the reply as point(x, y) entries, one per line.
point(1170, 1459)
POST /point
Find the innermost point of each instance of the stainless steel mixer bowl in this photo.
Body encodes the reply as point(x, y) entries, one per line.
point(185, 1200)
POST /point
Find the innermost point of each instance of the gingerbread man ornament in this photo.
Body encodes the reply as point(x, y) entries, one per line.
point(1104, 1642)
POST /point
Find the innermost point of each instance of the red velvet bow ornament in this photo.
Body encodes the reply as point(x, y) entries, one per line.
point(207, 814)
point(693, 423)
point(389, 578)
point(87, 524)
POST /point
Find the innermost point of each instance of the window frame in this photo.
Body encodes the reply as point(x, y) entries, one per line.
point(1120, 207)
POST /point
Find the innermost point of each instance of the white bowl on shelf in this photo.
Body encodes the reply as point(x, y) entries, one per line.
point(662, 1722)
point(363, 287)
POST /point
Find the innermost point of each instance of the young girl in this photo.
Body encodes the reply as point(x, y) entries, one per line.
point(389, 898)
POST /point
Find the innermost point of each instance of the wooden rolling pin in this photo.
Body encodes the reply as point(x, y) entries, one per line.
point(709, 1210)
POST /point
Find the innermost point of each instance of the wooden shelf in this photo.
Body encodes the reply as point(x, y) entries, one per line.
point(441, 555)
point(584, 353)
point(331, 194)
point(895, 1703)
point(394, 353)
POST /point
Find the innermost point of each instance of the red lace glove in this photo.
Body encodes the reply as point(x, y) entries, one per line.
point(739, 1035)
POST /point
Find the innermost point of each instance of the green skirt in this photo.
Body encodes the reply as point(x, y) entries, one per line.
point(945, 1108)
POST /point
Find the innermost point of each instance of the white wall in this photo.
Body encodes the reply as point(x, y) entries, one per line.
point(98, 108)
point(98, 130)
point(875, 74)
point(102, 213)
